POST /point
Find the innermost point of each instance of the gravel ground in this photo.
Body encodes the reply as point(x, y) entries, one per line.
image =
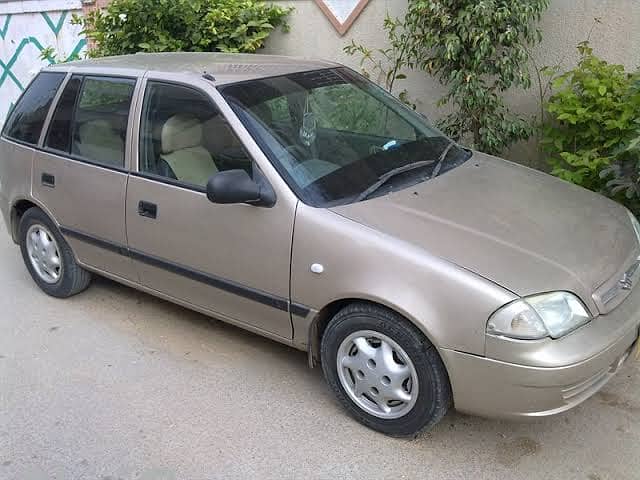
point(116, 384)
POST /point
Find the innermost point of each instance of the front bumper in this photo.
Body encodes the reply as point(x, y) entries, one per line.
point(554, 378)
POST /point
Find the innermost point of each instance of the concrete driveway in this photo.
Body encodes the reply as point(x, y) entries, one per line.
point(115, 384)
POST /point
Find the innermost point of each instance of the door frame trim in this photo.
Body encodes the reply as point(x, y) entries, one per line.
point(250, 293)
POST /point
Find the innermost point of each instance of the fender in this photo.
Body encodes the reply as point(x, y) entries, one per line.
point(449, 304)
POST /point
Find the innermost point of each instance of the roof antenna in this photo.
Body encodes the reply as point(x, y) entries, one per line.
point(208, 76)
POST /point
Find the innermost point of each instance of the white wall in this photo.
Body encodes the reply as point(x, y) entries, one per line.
point(27, 27)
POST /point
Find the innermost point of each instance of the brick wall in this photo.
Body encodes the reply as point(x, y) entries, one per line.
point(89, 5)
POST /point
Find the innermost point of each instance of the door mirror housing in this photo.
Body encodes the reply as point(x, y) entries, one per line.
point(236, 186)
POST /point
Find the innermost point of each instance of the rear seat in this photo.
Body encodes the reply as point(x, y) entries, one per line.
point(100, 142)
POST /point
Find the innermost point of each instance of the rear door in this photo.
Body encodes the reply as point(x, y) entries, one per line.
point(230, 260)
point(80, 174)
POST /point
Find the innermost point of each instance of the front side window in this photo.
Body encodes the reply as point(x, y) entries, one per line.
point(337, 138)
point(184, 138)
point(99, 125)
point(27, 118)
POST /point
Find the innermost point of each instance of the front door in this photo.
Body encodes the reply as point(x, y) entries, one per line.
point(230, 260)
point(80, 173)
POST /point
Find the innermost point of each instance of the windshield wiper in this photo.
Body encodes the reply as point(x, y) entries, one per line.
point(390, 174)
point(443, 155)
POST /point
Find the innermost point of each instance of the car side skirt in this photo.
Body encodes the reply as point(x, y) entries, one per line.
point(265, 298)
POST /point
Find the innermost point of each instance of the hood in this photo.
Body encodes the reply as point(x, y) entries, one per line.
point(522, 229)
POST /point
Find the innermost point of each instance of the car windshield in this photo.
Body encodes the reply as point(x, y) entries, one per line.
point(337, 138)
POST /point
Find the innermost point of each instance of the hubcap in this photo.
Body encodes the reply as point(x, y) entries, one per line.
point(44, 254)
point(377, 374)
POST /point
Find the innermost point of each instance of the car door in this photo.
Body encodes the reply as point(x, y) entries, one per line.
point(229, 260)
point(80, 174)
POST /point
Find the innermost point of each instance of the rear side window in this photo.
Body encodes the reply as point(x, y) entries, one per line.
point(99, 124)
point(27, 118)
point(59, 136)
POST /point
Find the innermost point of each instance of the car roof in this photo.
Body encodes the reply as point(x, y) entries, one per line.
point(225, 67)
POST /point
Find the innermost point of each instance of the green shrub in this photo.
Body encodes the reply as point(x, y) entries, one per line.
point(50, 55)
point(593, 118)
point(130, 26)
point(623, 174)
point(385, 66)
point(478, 50)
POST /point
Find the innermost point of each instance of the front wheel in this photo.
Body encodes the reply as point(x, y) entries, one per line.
point(384, 371)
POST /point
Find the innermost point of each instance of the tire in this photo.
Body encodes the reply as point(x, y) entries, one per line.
point(61, 278)
point(430, 397)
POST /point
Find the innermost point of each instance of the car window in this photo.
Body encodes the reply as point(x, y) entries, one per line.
point(59, 135)
point(27, 118)
point(278, 109)
point(99, 125)
point(347, 109)
point(346, 139)
point(184, 138)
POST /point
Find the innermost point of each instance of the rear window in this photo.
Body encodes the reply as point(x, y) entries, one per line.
point(108, 95)
point(27, 118)
point(59, 136)
point(99, 126)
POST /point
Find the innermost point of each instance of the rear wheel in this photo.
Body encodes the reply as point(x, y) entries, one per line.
point(48, 256)
point(384, 371)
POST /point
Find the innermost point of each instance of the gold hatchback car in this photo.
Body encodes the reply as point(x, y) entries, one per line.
point(298, 200)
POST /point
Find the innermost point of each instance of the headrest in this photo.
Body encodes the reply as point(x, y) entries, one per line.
point(94, 131)
point(180, 131)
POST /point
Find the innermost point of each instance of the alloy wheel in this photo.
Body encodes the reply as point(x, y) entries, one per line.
point(44, 254)
point(377, 374)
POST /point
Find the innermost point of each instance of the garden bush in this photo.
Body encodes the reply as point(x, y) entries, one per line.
point(478, 50)
point(130, 26)
point(591, 133)
point(386, 66)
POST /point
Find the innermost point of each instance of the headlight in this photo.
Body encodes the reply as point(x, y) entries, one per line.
point(635, 224)
point(547, 315)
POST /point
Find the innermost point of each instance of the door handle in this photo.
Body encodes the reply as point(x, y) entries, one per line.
point(48, 180)
point(147, 209)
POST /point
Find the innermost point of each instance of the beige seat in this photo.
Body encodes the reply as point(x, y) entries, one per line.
point(100, 142)
point(182, 150)
point(222, 139)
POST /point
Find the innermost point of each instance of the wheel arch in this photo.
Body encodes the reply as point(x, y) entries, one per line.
point(322, 318)
point(18, 209)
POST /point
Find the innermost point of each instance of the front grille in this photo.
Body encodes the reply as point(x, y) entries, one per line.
point(612, 293)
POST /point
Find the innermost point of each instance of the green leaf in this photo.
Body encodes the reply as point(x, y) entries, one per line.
point(191, 25)
point(633, 145)
point(557, 142)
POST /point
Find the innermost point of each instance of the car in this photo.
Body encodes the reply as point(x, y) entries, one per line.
point(298, 200)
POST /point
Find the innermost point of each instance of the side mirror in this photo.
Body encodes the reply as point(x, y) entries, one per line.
point(236, 186)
